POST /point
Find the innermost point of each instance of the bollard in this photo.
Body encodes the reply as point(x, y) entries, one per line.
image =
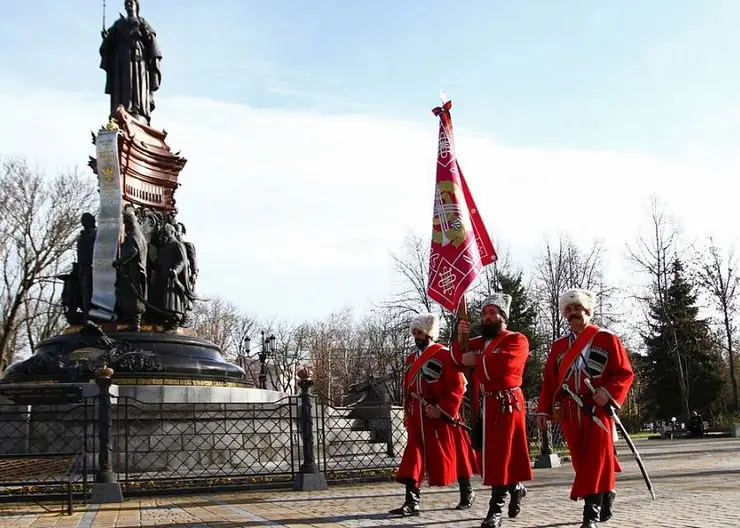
point(545, 446)
point(106, 488)
point(547, 458)
point(309, 477)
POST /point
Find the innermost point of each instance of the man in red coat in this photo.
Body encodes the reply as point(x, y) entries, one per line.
point(435, 445)
point(586, 353)
point(498, 359)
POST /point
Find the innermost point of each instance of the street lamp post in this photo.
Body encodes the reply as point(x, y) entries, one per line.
point(247, 342)
point(267, 349)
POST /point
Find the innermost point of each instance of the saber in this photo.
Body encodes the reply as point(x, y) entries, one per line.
point(588, 410)
point(609, 408)
point(445, 415)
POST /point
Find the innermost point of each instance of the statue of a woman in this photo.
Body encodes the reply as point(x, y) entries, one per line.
point(130, 57)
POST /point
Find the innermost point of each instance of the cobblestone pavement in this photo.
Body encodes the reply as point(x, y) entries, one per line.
point(697, 484)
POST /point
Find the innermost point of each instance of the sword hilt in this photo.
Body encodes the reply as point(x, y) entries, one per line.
point(573, 395)
point(611, 407)
point(587, 409)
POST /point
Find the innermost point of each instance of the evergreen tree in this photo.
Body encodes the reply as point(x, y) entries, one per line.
point(682, 368)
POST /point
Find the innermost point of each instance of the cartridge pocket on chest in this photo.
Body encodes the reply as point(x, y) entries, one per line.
point(432, 370)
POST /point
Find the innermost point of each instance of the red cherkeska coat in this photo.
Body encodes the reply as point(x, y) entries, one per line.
point(497, 396)
point(436, 447)
point(591, 448)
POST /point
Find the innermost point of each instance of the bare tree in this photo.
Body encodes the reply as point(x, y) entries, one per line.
point(39, 218)
point(344, 351)
point(330, 356)
point(717, 276)
point(412, 267)
point(221, 322)
point(288, 355)
point(487, 282)
point(388, 341)
point(566, 266)
point(655, 255)
point(42, 315)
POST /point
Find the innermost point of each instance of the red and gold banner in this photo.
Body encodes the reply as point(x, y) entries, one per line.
point(461, 246)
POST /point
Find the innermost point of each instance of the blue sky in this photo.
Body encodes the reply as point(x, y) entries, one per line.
point(629, 74)
point(641, 82)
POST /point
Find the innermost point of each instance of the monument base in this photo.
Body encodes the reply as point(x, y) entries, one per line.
point(310, 482)
point(547, 461)
point(138, 358)
point(105, 493)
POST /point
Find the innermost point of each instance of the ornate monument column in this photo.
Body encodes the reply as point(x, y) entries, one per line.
point(128, 296)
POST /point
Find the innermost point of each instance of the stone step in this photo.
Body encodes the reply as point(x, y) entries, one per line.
point(334, 411)
point(346, 435)
point(345, 449)
point(336, 464)
point(335, 422)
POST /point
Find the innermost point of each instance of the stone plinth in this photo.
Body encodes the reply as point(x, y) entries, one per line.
point(198, 394)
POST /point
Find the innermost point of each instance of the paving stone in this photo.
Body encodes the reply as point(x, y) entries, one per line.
point(697, 484)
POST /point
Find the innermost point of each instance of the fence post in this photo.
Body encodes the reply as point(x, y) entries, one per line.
point(547, 458)
point(309, 478)
point(106, 487)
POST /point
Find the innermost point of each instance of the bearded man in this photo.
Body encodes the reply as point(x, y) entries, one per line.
point(498, 359)
point(437, 446)
point(587, 355)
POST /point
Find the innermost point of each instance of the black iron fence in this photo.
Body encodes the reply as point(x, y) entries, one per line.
point(47, 449)
point(187, 446)
point(196, 445)
point(361, 441)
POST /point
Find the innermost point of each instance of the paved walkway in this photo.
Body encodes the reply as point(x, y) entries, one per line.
point(697, 484)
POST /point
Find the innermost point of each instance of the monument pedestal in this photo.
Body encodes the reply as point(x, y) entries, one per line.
point(138, 358)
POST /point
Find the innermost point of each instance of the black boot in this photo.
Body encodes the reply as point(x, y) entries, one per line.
point(495, 508)
point(411, 504)
point(607, 502)
point(467, 496)
point(517, 492)
point(591, 511)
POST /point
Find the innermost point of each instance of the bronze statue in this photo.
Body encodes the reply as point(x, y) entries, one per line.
point(77, 289)
point(170, 285)
point(130, 57)
point(85, 246)
point(131, 282)
point(191, 254)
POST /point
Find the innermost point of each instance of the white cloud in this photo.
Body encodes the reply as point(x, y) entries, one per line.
point(295, 213)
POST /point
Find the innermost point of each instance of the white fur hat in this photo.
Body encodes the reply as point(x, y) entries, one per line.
point(427, 323)
point(585, 298)
point(502, 301)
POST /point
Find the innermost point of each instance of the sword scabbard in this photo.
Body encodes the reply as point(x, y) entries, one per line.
point(611, 411)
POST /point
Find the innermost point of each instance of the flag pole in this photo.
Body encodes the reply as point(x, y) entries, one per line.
point(462, 314)
point(462, 309)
